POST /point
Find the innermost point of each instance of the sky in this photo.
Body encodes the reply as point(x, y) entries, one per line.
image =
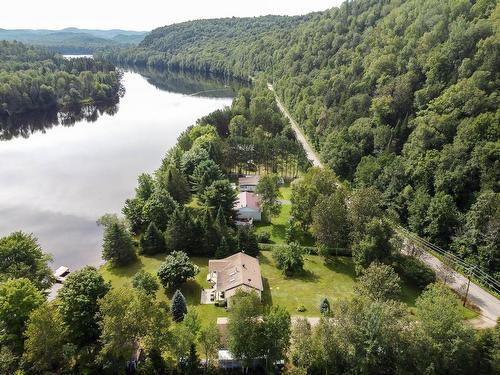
point(141, 15)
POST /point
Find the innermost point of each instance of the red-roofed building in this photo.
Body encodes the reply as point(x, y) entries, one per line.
point(248, 206)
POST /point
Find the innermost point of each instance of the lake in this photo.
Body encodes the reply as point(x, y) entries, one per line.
point(57, 179)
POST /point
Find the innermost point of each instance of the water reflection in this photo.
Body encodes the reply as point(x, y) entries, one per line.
point(190, 84)
point(60, 172)
point(40, 121)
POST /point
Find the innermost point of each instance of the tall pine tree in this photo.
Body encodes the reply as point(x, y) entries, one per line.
point(118, 247)
point(152, 241)
point(223, 250)
point(179, 306)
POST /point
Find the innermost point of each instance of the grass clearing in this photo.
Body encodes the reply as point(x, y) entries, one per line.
point(122, 277)
point(334, 279)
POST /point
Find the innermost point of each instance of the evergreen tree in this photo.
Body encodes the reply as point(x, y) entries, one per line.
point(221, 194)
point(324, 307)
point(220, 223)
point(211, 238)
point(179, 231)
point(247, 241)
point(206, 173)
point(118, 247)
point(179, 306)
point(223, 250)
point(152, 241)
point(193, 361)
point(176, 184)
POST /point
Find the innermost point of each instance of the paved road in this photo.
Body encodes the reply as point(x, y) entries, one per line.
point(488, 304)
point(311, 154)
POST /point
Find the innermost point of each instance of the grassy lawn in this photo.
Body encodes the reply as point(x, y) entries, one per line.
point(286, 192)
point(122, 277)
point(334, 280)
point(277, 227)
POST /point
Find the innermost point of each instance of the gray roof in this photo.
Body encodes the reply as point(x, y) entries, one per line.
point(237, 270)
point(249, 180)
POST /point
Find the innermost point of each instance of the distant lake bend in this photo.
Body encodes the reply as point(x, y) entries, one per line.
point(57, 179)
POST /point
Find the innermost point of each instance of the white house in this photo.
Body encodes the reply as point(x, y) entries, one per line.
point(248, 207)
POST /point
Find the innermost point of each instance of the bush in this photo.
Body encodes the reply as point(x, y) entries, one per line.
point(414, 271)
point(289, 258)
point(176, 269)
point(221, 303)
point(324, 307)
point(145, 282)
point(301, 308)
point(264, 237)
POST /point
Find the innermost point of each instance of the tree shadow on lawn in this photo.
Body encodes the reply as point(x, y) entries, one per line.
point(191, 290)
point(267, 297)
point(304, 275)
point(341, 264)
point(125, 271)
point(263, 259)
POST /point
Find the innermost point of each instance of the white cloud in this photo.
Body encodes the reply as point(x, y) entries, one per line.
point(141, 15)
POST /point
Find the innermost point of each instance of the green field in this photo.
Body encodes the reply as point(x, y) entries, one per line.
point(334, 279)
point(121, 277)
point(277, 227)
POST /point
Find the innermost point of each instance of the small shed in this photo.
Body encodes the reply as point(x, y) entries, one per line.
point(248, 183)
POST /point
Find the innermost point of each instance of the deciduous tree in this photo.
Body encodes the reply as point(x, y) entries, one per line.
point(176, 269)
point(22, 256)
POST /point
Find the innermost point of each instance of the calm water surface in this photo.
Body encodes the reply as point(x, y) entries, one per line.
point(56, 181)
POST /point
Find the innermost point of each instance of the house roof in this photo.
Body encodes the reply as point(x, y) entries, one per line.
point(237, 270)
point(249, 180)
point(247, 200)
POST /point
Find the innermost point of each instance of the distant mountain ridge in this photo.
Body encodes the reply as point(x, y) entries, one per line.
point(74, 40)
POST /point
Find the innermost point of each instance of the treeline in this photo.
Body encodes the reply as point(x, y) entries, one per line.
point(399, 95)
point(93, 328)
point(33, 79)
point(205, 45)
point(188, 203)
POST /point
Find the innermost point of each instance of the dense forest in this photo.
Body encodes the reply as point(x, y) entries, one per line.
point(33, 79)
point(204, 45)
point(399, 95)
point(185, 210)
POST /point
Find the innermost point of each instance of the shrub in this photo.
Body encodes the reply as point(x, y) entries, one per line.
point(264, 237)
point(176, 269)
point(324, 307)
point(289, 258)
point(145, 282)
point(414, 271)
point(301, 308)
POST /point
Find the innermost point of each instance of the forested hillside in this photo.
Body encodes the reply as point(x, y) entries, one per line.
point(400, 95)
point(211, 46)
point(35, 79)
